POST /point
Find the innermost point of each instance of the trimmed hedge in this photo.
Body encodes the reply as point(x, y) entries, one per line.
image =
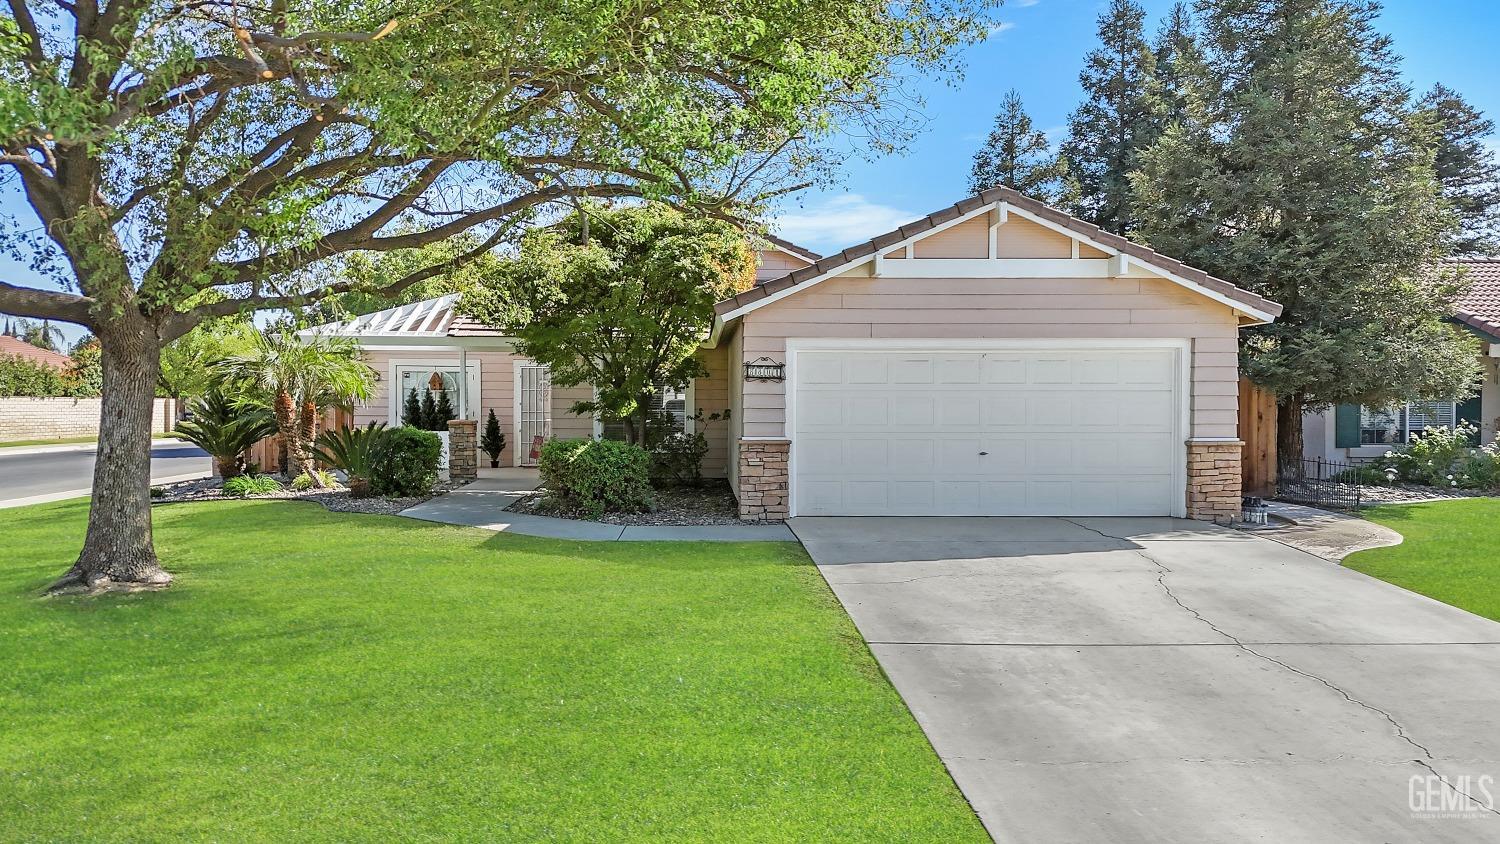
point(600, 475)
point(407, 464)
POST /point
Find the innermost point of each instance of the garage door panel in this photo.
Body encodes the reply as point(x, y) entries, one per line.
point(1062, 433)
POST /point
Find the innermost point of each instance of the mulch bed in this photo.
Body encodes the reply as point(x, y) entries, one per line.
point(710, 504)
point(336, 499)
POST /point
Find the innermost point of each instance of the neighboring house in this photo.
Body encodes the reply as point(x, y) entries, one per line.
point(997, 357)
point(16, 347)
point(1350, 432)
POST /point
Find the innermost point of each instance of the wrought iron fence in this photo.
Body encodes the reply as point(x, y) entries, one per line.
point(1319, 483)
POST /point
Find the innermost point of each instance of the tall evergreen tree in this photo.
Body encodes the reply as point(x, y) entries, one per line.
point(1176, 53)
point(1466, 168)
point(1016, 155)
point(1305, 178)
point(1119, 117)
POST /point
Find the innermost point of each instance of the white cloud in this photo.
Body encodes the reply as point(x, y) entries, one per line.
point(1024, 3)
point(1002, 26)
point(838, 222)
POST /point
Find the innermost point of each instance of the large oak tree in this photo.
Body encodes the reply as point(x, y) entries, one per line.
point(189, 159)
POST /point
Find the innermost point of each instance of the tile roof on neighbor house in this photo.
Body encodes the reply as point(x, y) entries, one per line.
point(1480, 307)
point(16, 347)
point(1144, 254)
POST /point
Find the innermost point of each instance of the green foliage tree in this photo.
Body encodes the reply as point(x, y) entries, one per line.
point(429, 412)
point(43, 335)
point(444, 412)
point(368, 274)
point(1016, 155)
point(174, 150)
point(86, 372)
point(188, 363)
point(492, 442)
point(1302, 175)
point(1466, 168)
point(1121, 115)
point(1176, 55)
point(411, 410)
point(623, 307)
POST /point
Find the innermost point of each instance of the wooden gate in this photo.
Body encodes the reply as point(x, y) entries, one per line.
point(1258, 431)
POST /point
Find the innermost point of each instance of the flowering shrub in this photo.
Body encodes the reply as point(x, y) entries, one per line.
point(1447, 457)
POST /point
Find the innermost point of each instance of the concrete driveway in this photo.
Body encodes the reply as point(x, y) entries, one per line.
point(1156, 680)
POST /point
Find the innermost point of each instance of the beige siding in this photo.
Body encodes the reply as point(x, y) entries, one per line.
point(969, 239)
point(496, 392)
point(1021, 238)
point(774, 263)
point(1002, 309)
point(1087, 251)
point(710, 396)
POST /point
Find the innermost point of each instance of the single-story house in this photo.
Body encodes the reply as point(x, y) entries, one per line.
point(997, 357)
point(1353, 433)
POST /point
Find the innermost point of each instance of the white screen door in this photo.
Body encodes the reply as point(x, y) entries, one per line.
point(533, 410)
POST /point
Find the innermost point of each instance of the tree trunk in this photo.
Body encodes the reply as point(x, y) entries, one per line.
point(308, 434)
point(289, 427)
point(117, 550)
point(1289, 432)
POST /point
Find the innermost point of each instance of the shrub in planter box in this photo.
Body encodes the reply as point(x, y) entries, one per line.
point(600, 475)
point(492, 442)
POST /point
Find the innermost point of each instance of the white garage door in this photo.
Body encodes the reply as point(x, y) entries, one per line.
point(996, 433)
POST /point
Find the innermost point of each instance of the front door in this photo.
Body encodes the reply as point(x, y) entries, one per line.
point(533, 410)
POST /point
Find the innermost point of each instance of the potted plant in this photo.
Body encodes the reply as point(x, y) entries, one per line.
point(492, 442)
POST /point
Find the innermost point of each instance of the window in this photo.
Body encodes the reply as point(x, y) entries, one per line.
point(670, 402)
point(1398, 425)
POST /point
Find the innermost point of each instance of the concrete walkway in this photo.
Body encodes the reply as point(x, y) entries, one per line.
point(482, 504)
point(1323, 533)
point(1155, 680)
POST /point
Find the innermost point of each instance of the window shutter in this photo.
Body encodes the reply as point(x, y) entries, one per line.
point(1346, 426)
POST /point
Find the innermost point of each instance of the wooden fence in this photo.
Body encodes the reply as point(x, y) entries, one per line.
point(1258, 430)
point(267, 453)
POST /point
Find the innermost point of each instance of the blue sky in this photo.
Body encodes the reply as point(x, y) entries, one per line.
point(1037, 47)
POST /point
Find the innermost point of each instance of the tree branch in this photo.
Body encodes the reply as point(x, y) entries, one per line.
point(46, 304)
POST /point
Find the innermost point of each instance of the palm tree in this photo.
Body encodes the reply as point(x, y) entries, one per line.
point(44, 335)
point(294, 378)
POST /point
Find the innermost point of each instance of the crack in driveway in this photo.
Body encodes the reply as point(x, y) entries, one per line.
point(1161, 579)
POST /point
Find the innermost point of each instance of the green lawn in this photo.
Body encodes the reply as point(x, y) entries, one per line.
point(1451, 552)
point(315, 676)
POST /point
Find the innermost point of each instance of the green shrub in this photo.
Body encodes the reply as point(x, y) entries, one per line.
point(599, 475)
point(678, 459)
point(1480, 469)
point(25, 377)
point(1365, 474)
point(158, 492)
point(492, 442)
point(226, 431)
point(304, 481)
point(357, 451)
point(244, 486)
point(1433, 457)
point(407, 462)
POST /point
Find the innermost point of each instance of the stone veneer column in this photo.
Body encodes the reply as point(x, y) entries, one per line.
point(463, 449)
point(763, 479)
point(1213, 480)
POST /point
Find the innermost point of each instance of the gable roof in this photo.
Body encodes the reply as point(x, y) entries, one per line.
point(16, 347)
point(1479, 308)
point(792, 249)
point(1180, 272)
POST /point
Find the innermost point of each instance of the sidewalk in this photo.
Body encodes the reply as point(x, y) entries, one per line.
point(482, 504)
point(1323, 533)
